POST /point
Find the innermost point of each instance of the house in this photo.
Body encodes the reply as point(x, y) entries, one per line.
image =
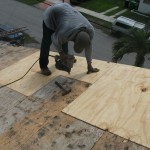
point(144, 6)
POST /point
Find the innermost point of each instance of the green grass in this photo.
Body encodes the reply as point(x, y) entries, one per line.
point(113, 12)
point(31, 2)
point(29, 39)
point(102, 5)
point(138, 18)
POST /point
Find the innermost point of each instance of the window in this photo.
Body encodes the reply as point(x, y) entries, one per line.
point(146, 1)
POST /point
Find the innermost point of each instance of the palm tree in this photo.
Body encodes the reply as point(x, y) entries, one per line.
point(138, 42)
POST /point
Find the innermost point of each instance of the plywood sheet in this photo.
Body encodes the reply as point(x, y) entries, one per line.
point(118, 102)
point(33, 81)
point(64, 133)
point(44, 126)
point(110, 141)
point(11, 54)
point(14, 106)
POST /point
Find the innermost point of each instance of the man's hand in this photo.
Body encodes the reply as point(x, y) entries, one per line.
point(91, 69)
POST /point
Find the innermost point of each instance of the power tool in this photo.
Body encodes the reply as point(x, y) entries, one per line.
point(64, 62)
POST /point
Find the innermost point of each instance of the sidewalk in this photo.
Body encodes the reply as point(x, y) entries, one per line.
point(83, 10)
point(95, 14)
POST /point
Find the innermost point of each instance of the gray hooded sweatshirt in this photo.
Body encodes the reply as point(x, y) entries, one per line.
point(66, 21)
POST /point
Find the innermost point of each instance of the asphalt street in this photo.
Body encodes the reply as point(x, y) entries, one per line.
point(19, 15)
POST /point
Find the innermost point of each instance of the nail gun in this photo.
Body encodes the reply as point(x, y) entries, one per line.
point(64, 63)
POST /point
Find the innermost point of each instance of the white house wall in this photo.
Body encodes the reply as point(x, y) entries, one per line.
point(144, 7)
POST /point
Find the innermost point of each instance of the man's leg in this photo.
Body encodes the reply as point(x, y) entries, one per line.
point(44, 52)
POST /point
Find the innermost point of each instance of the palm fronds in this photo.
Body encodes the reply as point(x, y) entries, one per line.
point(138, 42)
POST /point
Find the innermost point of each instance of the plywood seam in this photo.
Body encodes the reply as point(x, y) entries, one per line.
point(106, 72)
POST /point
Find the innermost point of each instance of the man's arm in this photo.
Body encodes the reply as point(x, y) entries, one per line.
point(88, 55)
point(57, 41)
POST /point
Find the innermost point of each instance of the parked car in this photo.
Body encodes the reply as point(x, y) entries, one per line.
point(124, 24)
point(15, 38)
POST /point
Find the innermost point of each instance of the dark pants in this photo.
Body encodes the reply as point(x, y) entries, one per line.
point(45, 46)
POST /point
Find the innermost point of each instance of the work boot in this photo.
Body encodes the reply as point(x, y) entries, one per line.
point(46, 71)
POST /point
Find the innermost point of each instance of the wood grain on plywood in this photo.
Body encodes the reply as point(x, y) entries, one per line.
point(118, 102)
point(33, 81)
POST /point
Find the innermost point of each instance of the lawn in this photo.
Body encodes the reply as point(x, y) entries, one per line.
point(29, 39)
point(30, 2)
point(102, 5)
point(113, 12)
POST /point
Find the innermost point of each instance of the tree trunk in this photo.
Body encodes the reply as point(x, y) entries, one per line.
point(139, 62)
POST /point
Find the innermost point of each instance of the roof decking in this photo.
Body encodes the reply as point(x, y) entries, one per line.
point(31, 116)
